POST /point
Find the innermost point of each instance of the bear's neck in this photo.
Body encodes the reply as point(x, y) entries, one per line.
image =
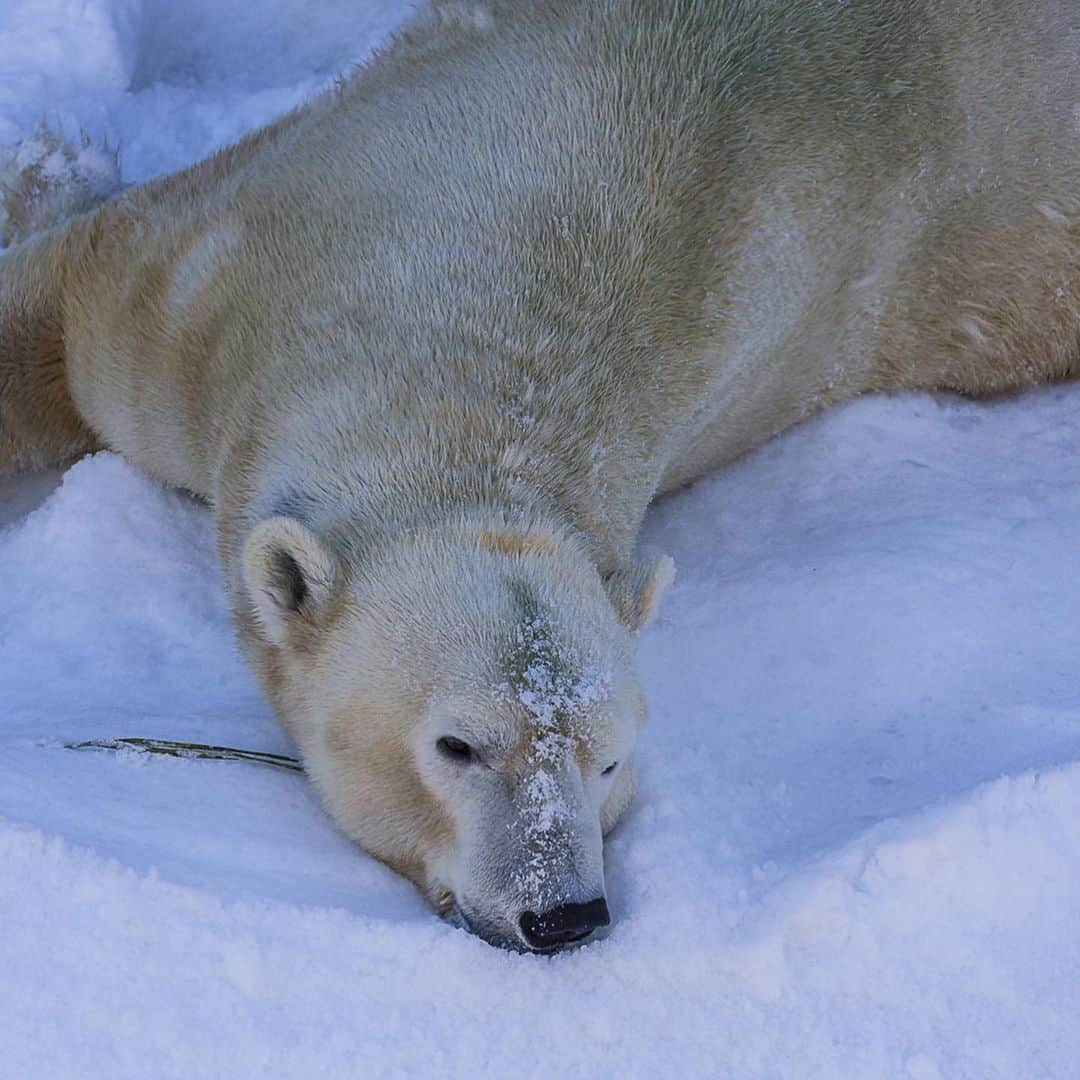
point(507, 484)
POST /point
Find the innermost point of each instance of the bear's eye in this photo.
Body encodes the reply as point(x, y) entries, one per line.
point(454, 749)
point(610, 769)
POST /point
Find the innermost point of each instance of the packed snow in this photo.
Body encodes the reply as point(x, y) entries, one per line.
point(855, 847)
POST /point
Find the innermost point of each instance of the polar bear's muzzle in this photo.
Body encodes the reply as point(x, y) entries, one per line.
point(547, 932)
point(564, 925)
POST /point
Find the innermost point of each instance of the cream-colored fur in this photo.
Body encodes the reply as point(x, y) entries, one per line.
point(431, 344)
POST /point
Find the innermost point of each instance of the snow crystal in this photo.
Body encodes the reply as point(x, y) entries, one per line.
point(560, 691)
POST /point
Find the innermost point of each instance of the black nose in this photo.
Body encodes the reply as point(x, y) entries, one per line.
point(563, 925)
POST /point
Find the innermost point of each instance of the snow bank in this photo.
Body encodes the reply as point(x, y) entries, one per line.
point(60, 49)
point(943, 946)
point(168, 81)
point(114, 594)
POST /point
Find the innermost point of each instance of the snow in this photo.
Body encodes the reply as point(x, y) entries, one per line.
point(854, 849)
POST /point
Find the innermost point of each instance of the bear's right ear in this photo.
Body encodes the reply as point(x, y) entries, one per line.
point(637, 590)
point(289, 577)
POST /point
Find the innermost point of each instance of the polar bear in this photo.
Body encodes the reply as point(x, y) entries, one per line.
point(431, 344)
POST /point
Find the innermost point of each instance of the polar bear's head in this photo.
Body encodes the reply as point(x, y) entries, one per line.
point(467, 705)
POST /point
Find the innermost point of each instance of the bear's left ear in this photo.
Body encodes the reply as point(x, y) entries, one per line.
point(636, 591)
point(289, 576)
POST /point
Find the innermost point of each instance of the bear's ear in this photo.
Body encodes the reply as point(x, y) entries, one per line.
point(289, 577)
point(637, 590)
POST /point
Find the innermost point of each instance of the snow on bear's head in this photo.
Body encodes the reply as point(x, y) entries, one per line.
point(467, 705)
